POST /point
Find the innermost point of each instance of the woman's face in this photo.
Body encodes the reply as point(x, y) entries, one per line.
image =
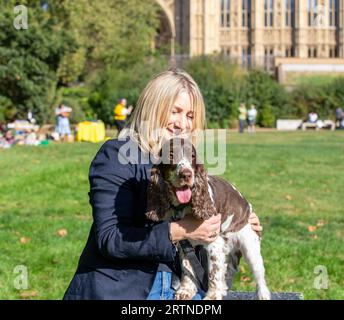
point(181, 117)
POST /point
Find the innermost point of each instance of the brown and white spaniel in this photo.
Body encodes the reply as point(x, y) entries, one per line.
point(180, 186)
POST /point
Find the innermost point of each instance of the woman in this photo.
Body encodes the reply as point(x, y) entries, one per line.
point(127, 256)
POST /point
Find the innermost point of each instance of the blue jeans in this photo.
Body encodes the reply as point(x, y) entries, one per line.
point(162, 288)
point(242, 125)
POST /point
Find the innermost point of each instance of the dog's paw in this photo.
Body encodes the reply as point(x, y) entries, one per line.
point(264, 294)
point(213, 296)
point(183, 295)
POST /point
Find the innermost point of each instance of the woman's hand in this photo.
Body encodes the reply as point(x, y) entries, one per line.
point(253, 220)
point(205, 231)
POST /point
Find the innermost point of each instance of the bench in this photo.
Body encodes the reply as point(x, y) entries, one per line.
point(289, 124)
point(320, 124)
point(307, 125)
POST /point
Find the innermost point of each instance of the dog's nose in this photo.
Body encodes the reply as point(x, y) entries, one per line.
point(185, 174)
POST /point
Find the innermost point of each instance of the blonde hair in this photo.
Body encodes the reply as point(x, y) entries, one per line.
point(155, 105)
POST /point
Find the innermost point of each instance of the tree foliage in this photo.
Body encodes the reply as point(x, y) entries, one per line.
point(67, 42)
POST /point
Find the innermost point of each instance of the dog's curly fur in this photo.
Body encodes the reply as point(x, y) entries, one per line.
point(157, 206)
point(201, 203)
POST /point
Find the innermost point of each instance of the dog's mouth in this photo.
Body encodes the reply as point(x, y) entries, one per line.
point(183, 193)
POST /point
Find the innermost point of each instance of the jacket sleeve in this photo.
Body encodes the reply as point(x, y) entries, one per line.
point(112, 194)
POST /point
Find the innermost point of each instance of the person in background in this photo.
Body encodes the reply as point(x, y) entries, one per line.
point(2, 128)
point(57, 118)
point(339, 118)
point(63, 126)
point(121, 113)
point(251, 118)
point(242, 117)
point(312, 117)
point(31, 118)
point(7, 140)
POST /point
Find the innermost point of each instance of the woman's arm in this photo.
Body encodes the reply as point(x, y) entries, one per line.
point(112, 197)
point(204, 231)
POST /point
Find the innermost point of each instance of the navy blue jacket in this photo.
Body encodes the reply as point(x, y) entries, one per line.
point(124, 249)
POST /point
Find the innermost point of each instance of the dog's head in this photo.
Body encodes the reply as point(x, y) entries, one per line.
point(179, 178)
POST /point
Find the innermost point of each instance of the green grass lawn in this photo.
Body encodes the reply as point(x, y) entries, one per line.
point(295, 182)
point(311, 78)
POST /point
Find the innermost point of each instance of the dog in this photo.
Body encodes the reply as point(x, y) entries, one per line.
point(179, 181)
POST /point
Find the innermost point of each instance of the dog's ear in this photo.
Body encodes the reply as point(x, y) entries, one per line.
point(157, 196)
point(202, 205)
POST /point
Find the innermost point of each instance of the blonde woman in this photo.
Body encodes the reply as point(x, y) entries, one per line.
point(127, 256)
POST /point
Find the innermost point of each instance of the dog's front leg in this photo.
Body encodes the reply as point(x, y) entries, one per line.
point(217, 287)
point(188, 286)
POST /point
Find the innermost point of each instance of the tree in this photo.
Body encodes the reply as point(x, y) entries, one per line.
point(67, 42)
point(28, 62)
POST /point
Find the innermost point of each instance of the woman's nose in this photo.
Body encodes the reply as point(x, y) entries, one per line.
point(181, 123)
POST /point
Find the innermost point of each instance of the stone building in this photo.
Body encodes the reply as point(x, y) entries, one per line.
point(254, 32)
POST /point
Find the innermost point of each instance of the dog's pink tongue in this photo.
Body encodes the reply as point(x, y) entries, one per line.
point(183, 195)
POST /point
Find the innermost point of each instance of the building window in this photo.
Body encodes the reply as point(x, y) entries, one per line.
point(289, 13)
point(246, 56)
point(312, 52)
point(334, 13)
point(226, 51)
point(225, 13)
point(268, 13)
point(290, 52)
point(268, 58)
point(312, 8)
point(334, 52)
point(246, 13)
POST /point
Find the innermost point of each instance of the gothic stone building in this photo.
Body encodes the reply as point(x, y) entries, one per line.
point(254, 32)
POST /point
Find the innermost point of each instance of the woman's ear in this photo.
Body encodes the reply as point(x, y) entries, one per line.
point(202, 204)
point(157, 196)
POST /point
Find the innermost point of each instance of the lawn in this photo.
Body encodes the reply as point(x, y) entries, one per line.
point(311, 79)
point(295, 182)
